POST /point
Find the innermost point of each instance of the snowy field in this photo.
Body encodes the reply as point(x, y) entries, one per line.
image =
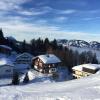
point(87, 88)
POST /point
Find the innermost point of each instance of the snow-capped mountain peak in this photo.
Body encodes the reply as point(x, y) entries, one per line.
point(80, 43)
point(95, 44)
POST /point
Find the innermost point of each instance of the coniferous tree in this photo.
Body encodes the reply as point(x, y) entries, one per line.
point(15, 80)
point(26, 79)
point(33, 46)
point(38, 45)
point(23, 47)
point(89, 57)
point(76, 58)
point(1, 34)
point(46, 44)
point(82, 58)
point(2, 39)
point(94, 59)
point(54, 44)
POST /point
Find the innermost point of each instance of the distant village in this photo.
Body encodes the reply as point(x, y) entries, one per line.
point(42, 56)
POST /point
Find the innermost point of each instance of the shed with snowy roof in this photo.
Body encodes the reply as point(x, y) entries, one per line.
point(47, 63)
point(6, 67)
point(85, 70)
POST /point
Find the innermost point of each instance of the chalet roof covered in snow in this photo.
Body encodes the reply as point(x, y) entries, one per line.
point(24, 55)
point(5, 61)
point(49, 58)
point(6, 47)
point(90, 66)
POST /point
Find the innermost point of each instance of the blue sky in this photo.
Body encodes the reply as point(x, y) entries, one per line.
point(60, 19)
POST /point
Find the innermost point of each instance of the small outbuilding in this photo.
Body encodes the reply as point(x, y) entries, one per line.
point(85, 70)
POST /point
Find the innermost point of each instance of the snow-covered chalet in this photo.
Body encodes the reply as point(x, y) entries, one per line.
point(47, 63)
point(6, 67)
point(85, 70)
point(23, 62)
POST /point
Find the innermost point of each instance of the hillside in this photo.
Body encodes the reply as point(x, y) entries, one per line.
point(80, 89)
point(81, 46)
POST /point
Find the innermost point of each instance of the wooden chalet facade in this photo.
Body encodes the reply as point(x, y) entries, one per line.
point(85, 70)
point(46, 63)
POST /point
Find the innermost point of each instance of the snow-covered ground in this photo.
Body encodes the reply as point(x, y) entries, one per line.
point(42, 87)
point(87, 88)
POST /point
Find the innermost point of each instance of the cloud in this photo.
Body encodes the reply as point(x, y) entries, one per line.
point(68, 11)
point(91, 13)
point(31, 13)
point(61, 19)
point(90, 18)
point(11, 7)
point(94, 11)
point(28, 30)
point(41, 21)
point(34, 11)
point(11, 4)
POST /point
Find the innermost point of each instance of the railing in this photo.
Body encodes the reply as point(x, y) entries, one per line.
point(80, 74)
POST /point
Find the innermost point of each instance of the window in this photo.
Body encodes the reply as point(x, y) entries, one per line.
point(53, 70)
point(80, 73)
point(8, 70)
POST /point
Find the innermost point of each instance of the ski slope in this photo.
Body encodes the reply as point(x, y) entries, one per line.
point(87, 88)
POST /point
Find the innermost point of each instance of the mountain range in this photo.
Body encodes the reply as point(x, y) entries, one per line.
point(79, 43)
